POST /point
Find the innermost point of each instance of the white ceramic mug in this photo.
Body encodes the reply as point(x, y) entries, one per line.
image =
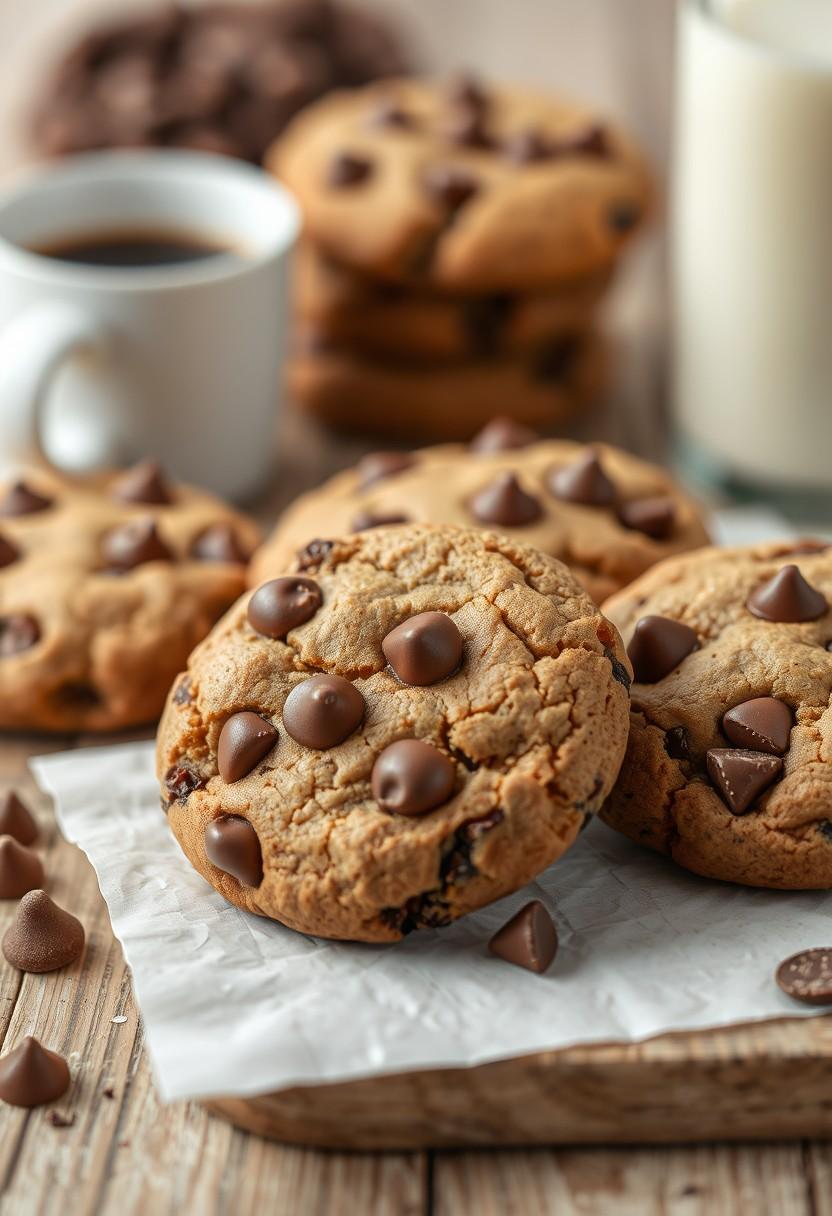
point(102, 365)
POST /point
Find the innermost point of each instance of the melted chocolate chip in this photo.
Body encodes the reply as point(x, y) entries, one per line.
point(741, 776)
point(244, 741)
point(311, 555)
point(584, 481)
point(144, 483)
point(180, 781)
point(20, 499)
point(219, 543)
point(825, 829)
point(658, 646)
point(8, 552)
point(411, 777)
point(622, 217)
point(502, 435)
point(528, 940)
point(133, 544)
point(677, 743)
point(655, 517)
point(18, 632)
point(42, 937)
point(348, 169)
point(424, 649)
point(283, 604)
point(619, 671)
point(504, 501)
point(787, 597)
point(378, 466)
point(365, 520)
point(323, 711)
point(21, 870)
point(16, 819)
point(233, 846)
point(31, 1075)
point(807, 976)
point(450, 185)
point(763, 724)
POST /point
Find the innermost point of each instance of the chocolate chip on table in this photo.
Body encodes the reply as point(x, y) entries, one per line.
point(233, 846)
point(133, 544)
point(584, 481)
point(18, 632)
point(323, 711)
point(762, 724)
point(787, 597)
point(42, 936)
point(504, 501)
point(658, 646)
point(181, 780)
point(219, 543)
point(741, 776)
point(365, 520)
point(528, 147)
point(424, 649)
point(450, 185)
point(8, 552)
point(655, 517)
point(377, 466)
point(16, 819)
point(502, 435)
point(21, 870)
point(348, 169)
point(31, 1075)
point(412, 777)
point(677, 743)
point(144, 483)
point(807, 976)
point(313, 553)
point(283, 604)
point(528, 940)
point(20, 499)
point(244, 741)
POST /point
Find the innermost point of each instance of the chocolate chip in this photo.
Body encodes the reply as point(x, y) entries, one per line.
point(504, 501)
point(348, 169)
point(763, 724)
point(181, 780)
point(623, 217)
point(424, 649)
point(450, 185)
point(388, 113)
point(18, 632)
point(677, 743)
point(619, 672)
point(502, 435)
point(16, 819)
point(184, 693)
point(233, 846)
point(323, 711)
point(584, 481)
point(553, 364)
point(466, 90)
point(378, 466)
point(143, 483)
point(592, 141)
point(807, 976)
point(787, 597)
point(8, 552)
point(56, 1119)
point(20, 499)
point(365, 520)
point(283, 604)
point(483, 320)
point(31, 1075)
point(655, 517)
point(528, 940)
point(311, 555)
point(132, 544)
point(244, 740)
point(21, 869)
point(219, 543)
point(528, 147)
point(466, 126)
point(412, 777)
point(42, 936)
point(658, 646)
point(741, 776)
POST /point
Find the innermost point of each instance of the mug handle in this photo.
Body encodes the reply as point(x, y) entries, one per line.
point(32, 349)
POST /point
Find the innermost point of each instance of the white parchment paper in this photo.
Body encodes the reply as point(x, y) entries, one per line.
point(233, 1004)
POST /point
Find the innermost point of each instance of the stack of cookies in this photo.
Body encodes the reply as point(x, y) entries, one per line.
point(458, 244)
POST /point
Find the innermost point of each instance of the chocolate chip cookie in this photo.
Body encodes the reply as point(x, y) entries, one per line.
point(374, 318)
point(729, 764)
point(463, 187)
point(106, 585)
point(608, 515)
point(412, 723)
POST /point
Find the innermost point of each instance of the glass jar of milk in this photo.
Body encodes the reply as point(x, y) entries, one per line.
point(752, 245)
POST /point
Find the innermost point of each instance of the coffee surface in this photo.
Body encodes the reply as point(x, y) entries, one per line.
point(132, 248)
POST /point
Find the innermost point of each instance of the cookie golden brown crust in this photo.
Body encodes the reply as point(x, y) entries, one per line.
point(669, 796)
point(534, 194)
point(89, 641)
point(439, 485)
point(532, 723)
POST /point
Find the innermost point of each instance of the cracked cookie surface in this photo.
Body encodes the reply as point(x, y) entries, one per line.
point(106, 585)
point(729, 762)
point(416, 802)
point(439, 484)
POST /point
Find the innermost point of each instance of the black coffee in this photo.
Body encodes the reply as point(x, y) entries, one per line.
point(132, 249)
